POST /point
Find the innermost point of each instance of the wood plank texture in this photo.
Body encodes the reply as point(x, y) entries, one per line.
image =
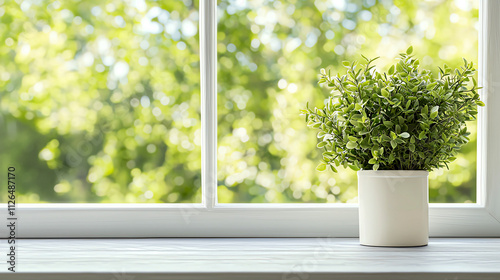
point(251, 258)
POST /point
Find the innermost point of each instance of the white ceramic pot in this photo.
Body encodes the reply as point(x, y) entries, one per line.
point(393, 207)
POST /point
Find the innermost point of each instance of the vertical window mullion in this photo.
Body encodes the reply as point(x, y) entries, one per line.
point(208, 69)
point(489, 131)
point(481, 124)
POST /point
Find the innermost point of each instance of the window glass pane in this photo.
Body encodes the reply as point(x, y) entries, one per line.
point(269, 55)
point(100, 100)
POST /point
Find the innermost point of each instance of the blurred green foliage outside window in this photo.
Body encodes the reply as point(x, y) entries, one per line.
point(270, 53)
point(100, 100)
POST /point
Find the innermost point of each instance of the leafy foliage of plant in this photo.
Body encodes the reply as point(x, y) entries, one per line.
point(400, 120)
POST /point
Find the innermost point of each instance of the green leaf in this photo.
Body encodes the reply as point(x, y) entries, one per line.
point(422, 135)
point(354, 167)
point(391, 158)
point(352, 138)
point(434, 112)
point(388, 124)
point(409, 50)
point(385, 93)
point(332, 168)
point(434, 109)
point(391, 70)
point(365, 144)
point(408, 104)
point(394, 144)
point(357, 107)
point(385, 137)
point(425, 110)
point(375, 166)
point(441, 70)
point(321, 167)
point(346, 63)
point(354, 122)
point(404, 135)
point(412, 148)
point(363, 132)
point(352, 145)
point(321, 144)
point(480, 103)
point(399, 68)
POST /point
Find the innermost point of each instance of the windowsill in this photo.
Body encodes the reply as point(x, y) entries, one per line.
point(251, 258)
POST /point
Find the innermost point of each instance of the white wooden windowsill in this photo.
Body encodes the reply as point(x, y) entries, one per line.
point(251, 258)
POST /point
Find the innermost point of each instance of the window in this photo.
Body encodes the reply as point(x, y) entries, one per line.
point(210, 218)
point(269, 55)
point(101, 101)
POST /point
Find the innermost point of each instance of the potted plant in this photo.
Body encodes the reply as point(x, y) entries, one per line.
point(393, 128)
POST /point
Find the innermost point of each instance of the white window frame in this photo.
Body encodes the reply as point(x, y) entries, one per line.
point(210, 219)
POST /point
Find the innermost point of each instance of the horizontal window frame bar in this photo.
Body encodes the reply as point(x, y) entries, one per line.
point(231, 220)
point(221, 206)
